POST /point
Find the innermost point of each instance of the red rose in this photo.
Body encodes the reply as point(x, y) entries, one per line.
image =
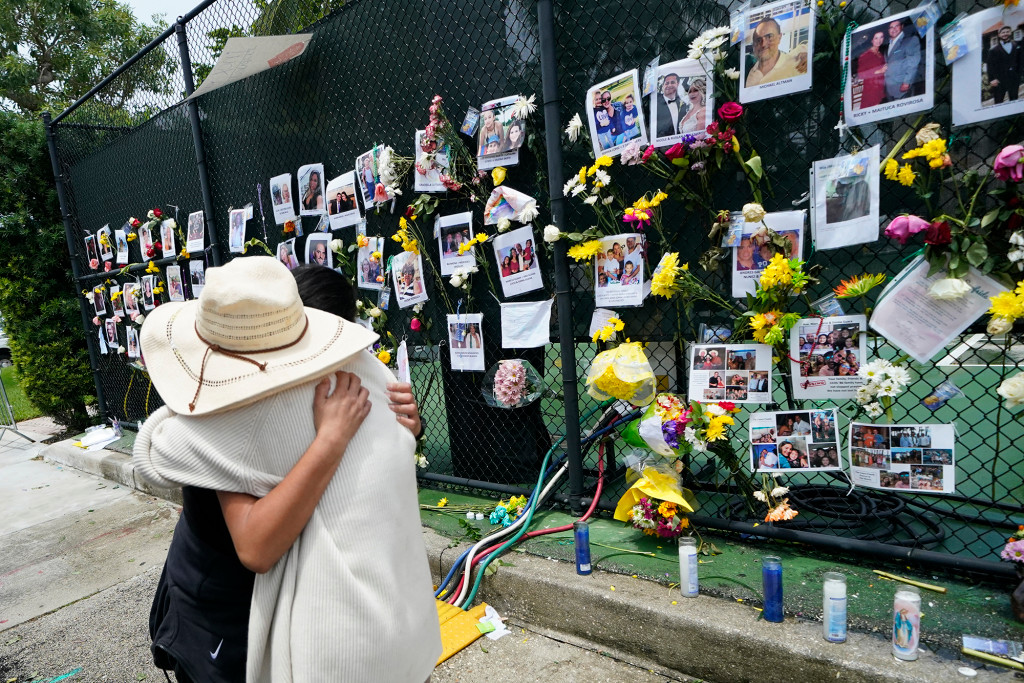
point(408, 212)
point(158, 213)
point(713, 128)
point(415, 325)
point(727, 405)
point(136, 222)
point(730, 111)
point(676, 151)
point(938, 234)
point(1014, 222)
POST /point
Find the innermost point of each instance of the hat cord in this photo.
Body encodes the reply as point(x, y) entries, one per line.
point(210, 346)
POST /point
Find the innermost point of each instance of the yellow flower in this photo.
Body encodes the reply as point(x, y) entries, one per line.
point(934, 149)
point(402, 223)
point(375, 255)
point(384, 357)
point(151, 268)
point(777, 272)
point(583, 175)
point(362, 241)
point(498, 175)
point(664, 283)
point(667, 510)
point(716, 428)
point(608, 331)
point(604, 160)
point(441, 503)
point(184, 253)
point(585, 250)
point(891, 168)
point(1007, 305)
point(659, 198)
point(482, 237)
point(843, 3)
point(130, 237)
point(464, 247)
point(906, 175)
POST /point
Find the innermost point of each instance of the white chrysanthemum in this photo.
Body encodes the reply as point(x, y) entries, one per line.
point(528, 213)
point(874, 370)
point(779, 491)
point(574, 127)
point(601, 177)
point(578, 190)
point(714, 409)
point(456, 281)
point(874, 409)
point(888, 387)
point(607, 200)
point(591, 200)
point(570, 184)
point(524, 106)
point(899, 375)
point(690, 434)
point(732, 74)
point(760, 496)
point(865, 394)
point(504, 224)
point(551, 233)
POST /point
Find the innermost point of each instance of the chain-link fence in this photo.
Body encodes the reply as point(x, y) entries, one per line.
point(368, 77)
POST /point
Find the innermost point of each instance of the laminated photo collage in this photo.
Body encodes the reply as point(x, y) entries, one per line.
point(910, 457)
point(795, 440)
point(741, 373)
point(829, 352)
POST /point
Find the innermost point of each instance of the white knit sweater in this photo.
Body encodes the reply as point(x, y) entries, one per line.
point(352, 599)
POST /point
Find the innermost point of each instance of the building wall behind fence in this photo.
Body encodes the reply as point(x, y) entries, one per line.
point(368, 77)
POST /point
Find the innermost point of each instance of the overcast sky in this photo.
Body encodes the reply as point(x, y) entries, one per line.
point(171, 9)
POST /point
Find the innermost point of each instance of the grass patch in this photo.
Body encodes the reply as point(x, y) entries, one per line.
point(23, 408)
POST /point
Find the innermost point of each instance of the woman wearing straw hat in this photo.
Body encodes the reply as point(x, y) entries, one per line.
point(238, 371)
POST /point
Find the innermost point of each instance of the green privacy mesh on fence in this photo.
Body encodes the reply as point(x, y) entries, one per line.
point(368, 77)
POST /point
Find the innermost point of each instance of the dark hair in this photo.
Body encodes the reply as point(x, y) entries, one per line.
point(326, 290)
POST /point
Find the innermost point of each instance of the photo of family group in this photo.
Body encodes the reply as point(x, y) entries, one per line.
point(196, 233)
point(987, 80)
point(616, 117)
point(431, 160)
point(891, 70)
point(407, 276)
point(912, 457)
point(453, 231)
point(777, 50)
point(516, 256)
point(236, 232)
point(681, 104)
point(730, 372)
point(500, 134)
point(831, 351)
point(342, 207)
point(466, 342)
point(753, 251)
point(281, 198)
point(311, 190)
point(794, 440)
point(619, 270)
point(846, 199)
point(369, 266)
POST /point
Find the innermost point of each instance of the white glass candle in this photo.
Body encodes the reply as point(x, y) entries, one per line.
point(906, 622)
point(688, 566)
point(834, 607)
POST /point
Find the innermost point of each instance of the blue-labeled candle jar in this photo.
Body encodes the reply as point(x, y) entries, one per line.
point(771, 575)
point(581, 533)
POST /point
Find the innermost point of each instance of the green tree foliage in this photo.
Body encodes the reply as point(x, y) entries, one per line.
point(51, 53)
point(36, 289)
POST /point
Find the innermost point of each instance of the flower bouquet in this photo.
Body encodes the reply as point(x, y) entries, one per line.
point(511, 383)
point(623, 373)
point(1013, 551)
point(656, 503)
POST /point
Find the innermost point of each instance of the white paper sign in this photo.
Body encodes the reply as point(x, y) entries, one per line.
point(830, 352)
point(915, 458)
point(402, 361)
point(516, 258)
point(750, 258)
point(526, 325)
point(846, 200)
point(921, 325)
point(795, 440)
point(600, 319)
point(466, 341)
point(244, 57)
point(741, 373)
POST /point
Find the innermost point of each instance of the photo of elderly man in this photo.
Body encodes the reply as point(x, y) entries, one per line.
point(772, 63)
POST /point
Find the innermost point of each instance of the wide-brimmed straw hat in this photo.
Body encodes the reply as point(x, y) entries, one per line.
point(247, 336)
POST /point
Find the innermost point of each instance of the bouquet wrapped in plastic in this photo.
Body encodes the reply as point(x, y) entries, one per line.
point(657, 504)
point(662, 427)
point(623, 373)
point(511, 383)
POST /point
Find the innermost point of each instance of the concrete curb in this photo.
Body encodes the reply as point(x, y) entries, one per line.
point(706, 637)
point(111, 465)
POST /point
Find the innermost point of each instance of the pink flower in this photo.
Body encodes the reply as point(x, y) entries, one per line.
point(676, 151)
point(96, 320)
point(430, 130)
point(380, 194)
point(415, 325)
point(1013, 552)
point(436, 100)
point(730, 111)
point(94, 263)
point(106, 267)
point(647, 154)
point(1009, 164)
point(902, 227)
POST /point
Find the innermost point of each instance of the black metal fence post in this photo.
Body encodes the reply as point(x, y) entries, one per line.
point(197, 141)
point(563, 291)
point(90, 337)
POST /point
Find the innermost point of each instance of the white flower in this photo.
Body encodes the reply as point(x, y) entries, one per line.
point(873, 370)
point(120, 349)
point(524, 106)
point(551, 233)
point(140, 319)
point(1017, 238)
point(607, 200)
point(418, 308)
point(473, 270)
point(899, 375)
point(571, 183)
point(359, 305)
point(779, 491)
point(337, 246)
point(999, 325)
point(949, 289)
point(601, 177)
point(874, 409)
point(753, 212)
point(1015, 255)
point(591, 200)
point(865, 394)
point(690, 434)
point(1012, 389)
point(578, 189)
point(574, 127)
point(714, 409)
point(733, 74)
point(374, 312)
point(504, 224)
point(151, 215)
point(528, 213)
point(888, 387)
point(456, 281)
point(760, 496)
point(631, 155)
point(421, 461)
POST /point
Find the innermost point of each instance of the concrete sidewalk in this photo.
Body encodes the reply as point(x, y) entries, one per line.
point(642, 622)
